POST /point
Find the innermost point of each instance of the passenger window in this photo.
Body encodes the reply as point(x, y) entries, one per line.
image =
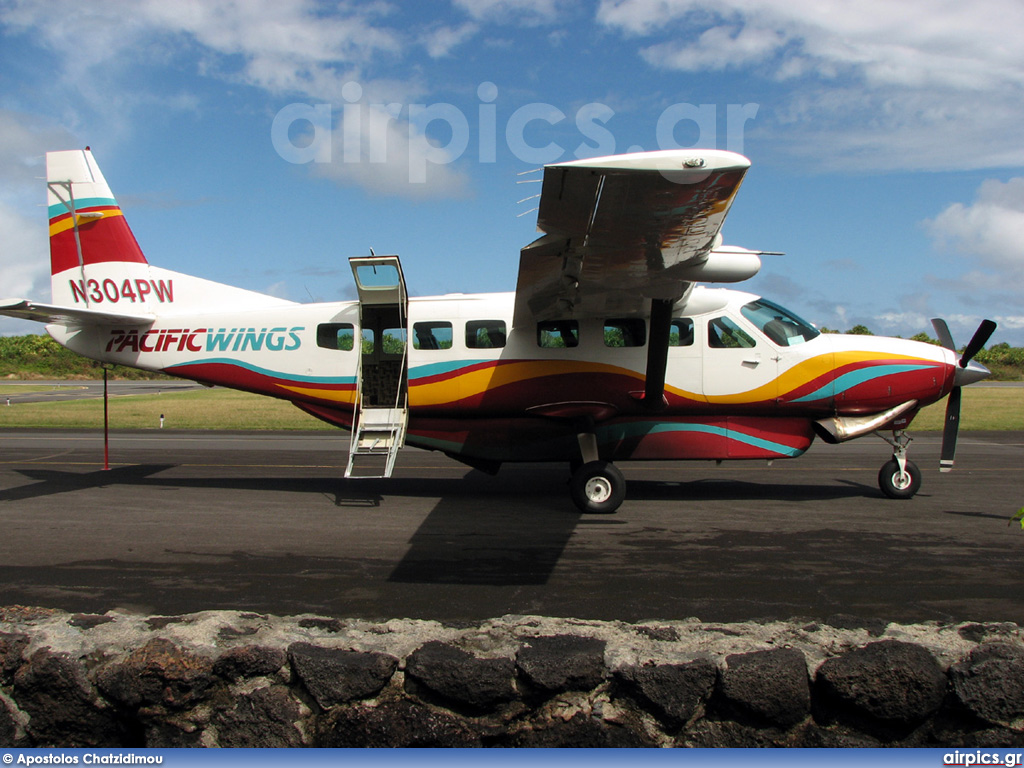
point(723, 333)
point(681, 334)
point(336, 336)
point(556, 334)
point(433, 335)
point(392, 341)
point(485, 334)
point(630, 332)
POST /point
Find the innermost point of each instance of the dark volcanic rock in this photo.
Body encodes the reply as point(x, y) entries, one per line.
point(989, 683)
point(88, 620)
point(62, 705)
point(766, 688)
point(886, 688)
point(562, 663)
point(335, 676)
point(264, 718)
point(249, 661)
point(395, 724)
point(158, 673)
point(8, 726)
point(578, 732)
point(671, 692)
point(11, 648)
point(460, 678)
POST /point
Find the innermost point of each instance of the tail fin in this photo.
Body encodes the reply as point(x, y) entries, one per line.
point(90, 241)
point(83, 212)
point(96, 264)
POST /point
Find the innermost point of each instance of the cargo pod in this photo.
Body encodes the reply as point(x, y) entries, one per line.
point(382, 411)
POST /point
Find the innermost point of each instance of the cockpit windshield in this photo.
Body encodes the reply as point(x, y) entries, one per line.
point(778, 324)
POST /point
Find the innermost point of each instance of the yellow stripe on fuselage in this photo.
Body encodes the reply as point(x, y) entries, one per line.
point(471, 383)
point(476, 382)
point(805, 372)
point(346, 396)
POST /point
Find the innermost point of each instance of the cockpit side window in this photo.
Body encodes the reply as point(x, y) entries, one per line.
point(778, 324)
point(723, 333)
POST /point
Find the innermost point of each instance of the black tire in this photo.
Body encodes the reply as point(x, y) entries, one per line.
point(896, 487)
point(597, 487)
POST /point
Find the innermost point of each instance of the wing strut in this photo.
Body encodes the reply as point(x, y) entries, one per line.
point(657, 353)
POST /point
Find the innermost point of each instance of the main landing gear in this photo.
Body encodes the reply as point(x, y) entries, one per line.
point(899, 478)
point(596, 486)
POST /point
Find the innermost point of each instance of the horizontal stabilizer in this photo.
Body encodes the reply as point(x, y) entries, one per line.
point(49, 313)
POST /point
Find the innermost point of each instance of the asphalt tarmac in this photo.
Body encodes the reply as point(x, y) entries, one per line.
point(263, 522)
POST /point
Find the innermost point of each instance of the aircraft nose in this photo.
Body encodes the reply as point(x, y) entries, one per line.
point(974, 372)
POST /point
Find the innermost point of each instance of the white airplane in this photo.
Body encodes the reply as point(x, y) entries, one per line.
point(609, 350)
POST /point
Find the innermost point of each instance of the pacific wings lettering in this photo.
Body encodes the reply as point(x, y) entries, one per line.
point(206, 340)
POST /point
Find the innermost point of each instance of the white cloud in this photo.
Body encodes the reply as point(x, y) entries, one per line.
point(990, 229)
point(441, 41)
point(374, 149)
point(284, 47)
point(524, 12)
point(717, 48)
point(24, 250)
point(874, 84)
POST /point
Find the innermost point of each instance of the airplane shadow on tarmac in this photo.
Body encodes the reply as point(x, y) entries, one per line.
point(490, 531)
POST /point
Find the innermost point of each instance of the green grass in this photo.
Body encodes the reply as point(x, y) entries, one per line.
point(21, 389)
point(984, 408)
point(196, 409)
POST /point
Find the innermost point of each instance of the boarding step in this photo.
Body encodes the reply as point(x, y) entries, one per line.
point(379, 435)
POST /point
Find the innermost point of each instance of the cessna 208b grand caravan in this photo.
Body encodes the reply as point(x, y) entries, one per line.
point(610, 349)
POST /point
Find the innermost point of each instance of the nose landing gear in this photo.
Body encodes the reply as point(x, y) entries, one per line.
point(899, 478)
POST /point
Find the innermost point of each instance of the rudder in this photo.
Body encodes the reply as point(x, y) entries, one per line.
point(87, 227)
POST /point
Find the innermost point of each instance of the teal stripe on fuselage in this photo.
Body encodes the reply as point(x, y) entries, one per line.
point(440, 369)
point(268, 372)
point(638, 429)
point(855, 378)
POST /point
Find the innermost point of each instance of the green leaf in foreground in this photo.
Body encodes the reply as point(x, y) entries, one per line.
point(1019, 517)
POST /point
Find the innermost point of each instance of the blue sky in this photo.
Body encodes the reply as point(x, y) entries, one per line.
point(262, 143)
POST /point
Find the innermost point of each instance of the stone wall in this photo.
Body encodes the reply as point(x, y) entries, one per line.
point(242, 679)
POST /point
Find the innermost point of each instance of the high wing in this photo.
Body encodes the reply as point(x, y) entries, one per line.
point(625, 229)
point(51, 313)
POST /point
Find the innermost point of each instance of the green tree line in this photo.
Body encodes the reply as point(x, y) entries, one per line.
point(40, 357)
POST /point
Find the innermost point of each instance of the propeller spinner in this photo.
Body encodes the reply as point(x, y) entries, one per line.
point(967, 372)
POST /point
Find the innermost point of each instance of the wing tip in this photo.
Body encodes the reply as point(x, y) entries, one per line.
point(664, 160)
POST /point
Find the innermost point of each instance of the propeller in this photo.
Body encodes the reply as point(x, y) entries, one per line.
point(967, 372)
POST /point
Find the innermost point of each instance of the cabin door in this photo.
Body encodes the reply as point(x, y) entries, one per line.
point(382, 412)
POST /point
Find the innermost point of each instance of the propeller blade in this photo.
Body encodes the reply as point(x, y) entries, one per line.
point(950, 430)
point(943, 334)
point(981, 336)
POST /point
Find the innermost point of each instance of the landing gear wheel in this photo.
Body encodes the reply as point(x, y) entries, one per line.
point(896, 484)
point(597, 487)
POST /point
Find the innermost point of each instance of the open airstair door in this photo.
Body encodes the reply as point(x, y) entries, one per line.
point(382, 410)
